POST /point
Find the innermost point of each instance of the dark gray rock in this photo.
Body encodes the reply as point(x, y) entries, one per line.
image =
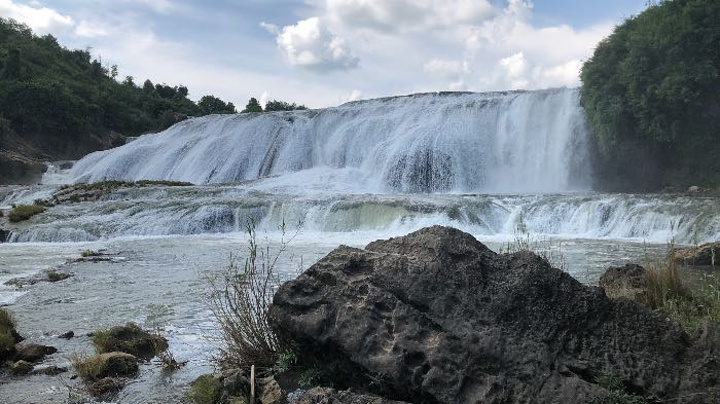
point(445, 320)
point(67, 335)
point(629, 275)
point(50, 370)
point(321, 395)
point(21, 368)
point(33, 352)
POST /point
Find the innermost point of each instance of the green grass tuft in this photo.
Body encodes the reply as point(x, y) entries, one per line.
point(24, 212)
point(206, 389)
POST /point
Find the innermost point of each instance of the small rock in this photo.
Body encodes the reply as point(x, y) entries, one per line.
point(50, 371)
point(67, 335)
point(20, 368)
point(626, 281)
point(33, 352)
point(106, 386)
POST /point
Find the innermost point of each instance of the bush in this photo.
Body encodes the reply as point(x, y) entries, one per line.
point(240, 300)
point(24, 212)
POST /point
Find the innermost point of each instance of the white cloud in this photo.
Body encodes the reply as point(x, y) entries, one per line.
point(448, 68)
point(407, 15)
point(88, 29)
point(41, 19)
point(516, 70)
point(310, 44)
point(160, 6)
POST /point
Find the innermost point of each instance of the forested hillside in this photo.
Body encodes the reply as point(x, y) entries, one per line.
point(652, 96)
point(58, 103)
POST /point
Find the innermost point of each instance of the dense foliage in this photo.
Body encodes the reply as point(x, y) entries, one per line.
point(652, 96)
point(61, 103)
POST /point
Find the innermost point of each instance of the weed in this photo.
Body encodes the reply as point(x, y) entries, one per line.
point(206, 389)
point(240, 300)
point(285, 362)
point(667, 293)
point(7, 320)
point(549, 250)
point(310, 378)
point(616, 392)
point(89, 253)
point(55, 276)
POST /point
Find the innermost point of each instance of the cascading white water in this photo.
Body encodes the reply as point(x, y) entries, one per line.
point(454, 142)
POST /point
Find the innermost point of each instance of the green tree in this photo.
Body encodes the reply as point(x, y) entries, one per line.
point(253, 106)
point(210, 104)
point(276, 105)
point(148, 87)
point(652, 96)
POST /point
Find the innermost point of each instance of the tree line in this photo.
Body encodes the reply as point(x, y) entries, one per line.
point(62, 103)
point(651, 92)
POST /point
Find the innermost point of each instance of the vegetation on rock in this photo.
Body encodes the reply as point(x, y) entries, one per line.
point(130, 339)
point(112, 364)
point(24, 212)
point(652, 95)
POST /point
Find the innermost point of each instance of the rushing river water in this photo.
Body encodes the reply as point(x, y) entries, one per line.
point(501, 166)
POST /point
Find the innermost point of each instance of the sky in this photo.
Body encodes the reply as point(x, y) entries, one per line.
point(325, 52)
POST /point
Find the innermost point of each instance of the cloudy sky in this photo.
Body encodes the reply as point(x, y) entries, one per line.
point(325, 52)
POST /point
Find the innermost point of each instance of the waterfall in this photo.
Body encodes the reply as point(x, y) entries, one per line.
point(519, 141)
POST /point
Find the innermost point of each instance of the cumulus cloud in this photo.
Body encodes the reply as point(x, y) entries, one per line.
point(310, 44)
point(509, 52)
point(448, 68)
point(407, 15)
point(88, 29)
point(42, 20)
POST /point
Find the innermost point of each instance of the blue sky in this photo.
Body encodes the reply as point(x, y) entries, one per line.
point(326, 52)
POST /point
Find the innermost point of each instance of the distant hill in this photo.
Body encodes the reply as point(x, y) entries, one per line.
point(57, 103)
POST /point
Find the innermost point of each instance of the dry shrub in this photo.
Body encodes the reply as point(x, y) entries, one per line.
point(240, 299)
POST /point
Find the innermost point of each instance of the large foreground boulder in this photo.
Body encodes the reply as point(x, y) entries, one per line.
point(440, 318)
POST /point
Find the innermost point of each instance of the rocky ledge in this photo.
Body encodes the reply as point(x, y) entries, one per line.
point(436, 317)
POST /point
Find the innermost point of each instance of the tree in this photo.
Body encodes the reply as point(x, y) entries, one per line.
point(651, 92)
point(129, 81)
point(148, 87)
point(12, 65)
point(275, 105)
point(253, 106)
point(209, 104)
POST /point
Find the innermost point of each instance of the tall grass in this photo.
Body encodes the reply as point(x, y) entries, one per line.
point(666, 292)
point(550, 250)
point(240, 299)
